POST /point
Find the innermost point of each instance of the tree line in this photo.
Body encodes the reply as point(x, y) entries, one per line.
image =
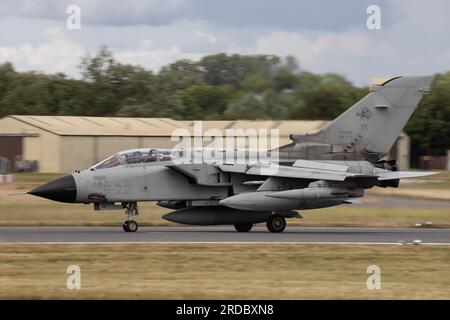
point(216, 87)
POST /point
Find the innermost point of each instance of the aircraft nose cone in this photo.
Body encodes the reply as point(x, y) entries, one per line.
point(63, 189)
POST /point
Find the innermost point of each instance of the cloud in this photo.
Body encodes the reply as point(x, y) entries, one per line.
point(324, 36)
point(156, 58)
point(411, 45)
point(348, 53)
point(111, 12)
point(56, 54)
point(209, 37)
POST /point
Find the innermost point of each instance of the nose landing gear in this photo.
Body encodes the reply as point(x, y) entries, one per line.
point(131, 210)
point(130, 226)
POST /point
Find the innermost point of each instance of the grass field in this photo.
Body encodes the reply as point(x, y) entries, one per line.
point(224, 271)
point(25, 210)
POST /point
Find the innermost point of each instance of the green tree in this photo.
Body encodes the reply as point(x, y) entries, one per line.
point(7, 74)
point(285, 77)
point(248, 106)
point(429, 126)
point(256, 83)
point(221, 69)
point(30, 93)
point(320, 104)
point(205, 101)
point(98, 71)
point(182, 74)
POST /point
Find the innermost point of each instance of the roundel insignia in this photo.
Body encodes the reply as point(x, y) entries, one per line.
point(364, 114)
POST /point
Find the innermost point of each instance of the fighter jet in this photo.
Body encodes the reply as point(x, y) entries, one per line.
point(331, 167)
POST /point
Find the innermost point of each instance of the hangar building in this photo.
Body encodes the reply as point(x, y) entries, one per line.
point(63, 143)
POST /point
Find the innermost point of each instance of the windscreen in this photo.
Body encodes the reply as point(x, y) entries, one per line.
point(136, 156)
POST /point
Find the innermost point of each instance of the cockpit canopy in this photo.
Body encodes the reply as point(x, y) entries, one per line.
point(136, 156)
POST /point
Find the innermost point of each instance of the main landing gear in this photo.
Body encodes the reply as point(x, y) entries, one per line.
point(243, 227)
point(131, 210)
point(276, 223)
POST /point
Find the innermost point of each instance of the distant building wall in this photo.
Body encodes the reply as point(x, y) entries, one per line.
point(435, 159)
point(401, 152)
point(448, 159)
point(46, 149)
point(161, 142)
point(37, 144)
point(434, 162)
point(77, 152)
point(110, 145)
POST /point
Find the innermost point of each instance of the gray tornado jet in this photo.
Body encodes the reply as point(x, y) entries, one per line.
point(330, 167)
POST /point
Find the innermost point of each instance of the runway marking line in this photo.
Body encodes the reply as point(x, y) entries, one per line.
point(206, 228)
point(228, 242)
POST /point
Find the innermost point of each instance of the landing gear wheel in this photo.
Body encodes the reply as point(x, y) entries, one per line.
point(131, 210)
point(243, 227)
point(130, 226)
point(276, 223)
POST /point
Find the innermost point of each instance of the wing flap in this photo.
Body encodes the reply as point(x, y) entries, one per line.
point(308, 164)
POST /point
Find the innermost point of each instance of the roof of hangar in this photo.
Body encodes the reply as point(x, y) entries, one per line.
point(121, 126)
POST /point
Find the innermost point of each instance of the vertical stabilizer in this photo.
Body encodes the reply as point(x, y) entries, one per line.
point(374, 123)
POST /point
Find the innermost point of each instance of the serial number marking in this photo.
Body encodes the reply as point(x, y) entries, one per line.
point(112, 188)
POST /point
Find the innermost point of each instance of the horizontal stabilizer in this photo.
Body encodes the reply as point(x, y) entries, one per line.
point(393, 175)
point(329, 173)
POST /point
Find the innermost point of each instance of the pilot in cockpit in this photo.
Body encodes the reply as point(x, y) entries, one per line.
point(151, 156)
point(135, 157)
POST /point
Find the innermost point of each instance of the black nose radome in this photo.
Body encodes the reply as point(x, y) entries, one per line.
point(62, 189)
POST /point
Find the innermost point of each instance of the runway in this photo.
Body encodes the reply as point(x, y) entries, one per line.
point(223, 235)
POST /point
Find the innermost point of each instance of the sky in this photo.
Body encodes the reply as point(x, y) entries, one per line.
point(325, 36)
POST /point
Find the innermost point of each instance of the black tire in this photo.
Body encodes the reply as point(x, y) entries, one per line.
point(130, 226)
point(276, 223)
point(243, 227)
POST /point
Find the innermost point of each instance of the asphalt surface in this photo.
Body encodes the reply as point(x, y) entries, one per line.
point(221, 235)
point(371, 201)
